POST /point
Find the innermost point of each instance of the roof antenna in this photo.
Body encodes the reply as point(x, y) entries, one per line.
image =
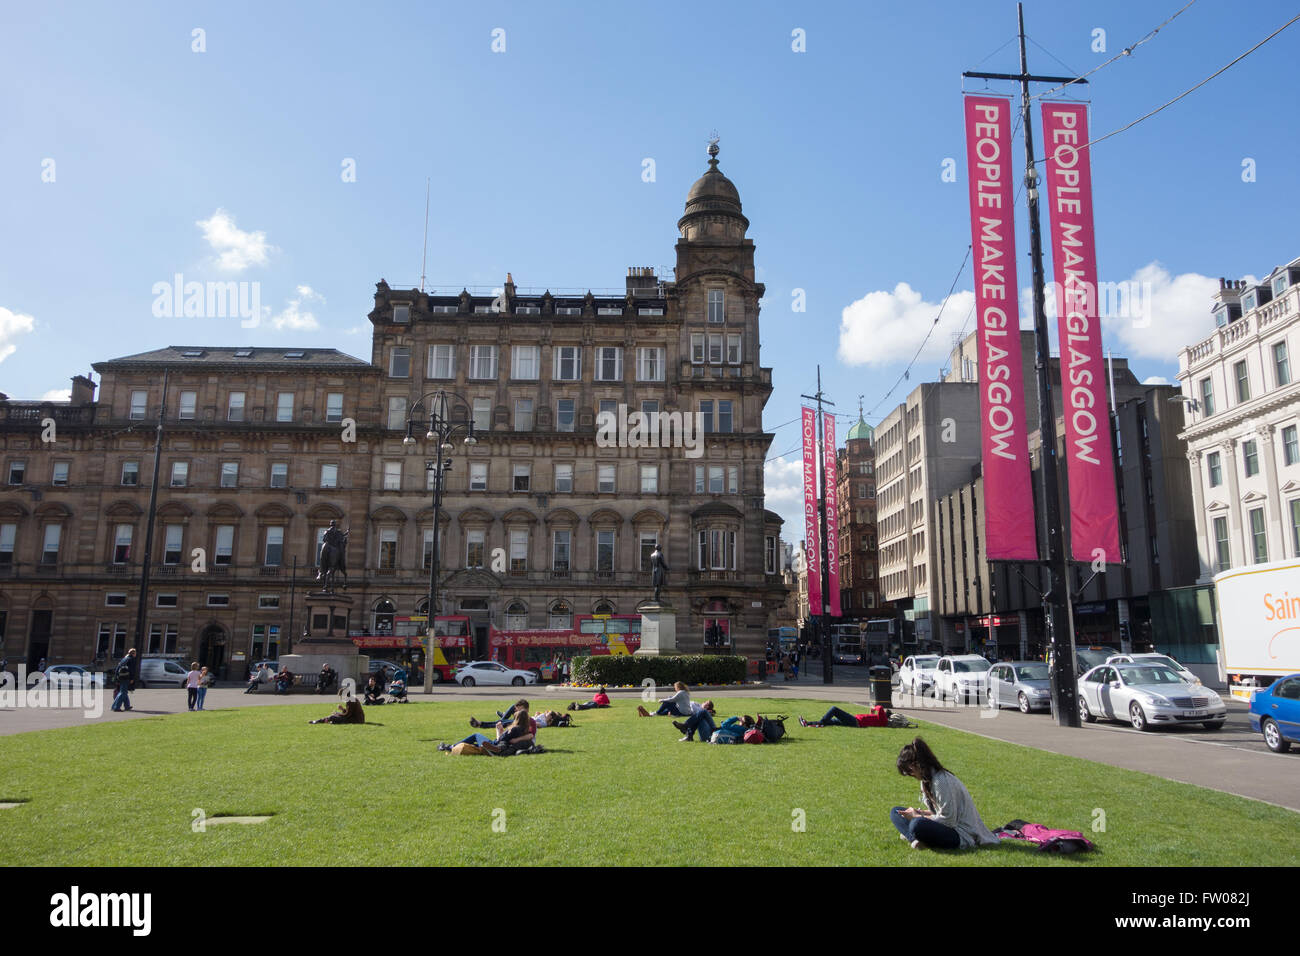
point(425, 254)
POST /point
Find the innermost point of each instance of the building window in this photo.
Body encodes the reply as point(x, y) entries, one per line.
point(474, 548)
point(482, 361)
point(733, 349)
point(1258, 537)
point(608, 406)
point(605, 478)
point(523, 414)
point(527, 362)
point(60, 475)
point(609, 364)
point(180, 474)
point(334, 407)
point(1290, 445)
point(163, 637)
point(564, 478)
point(604, 550)
point(1215, 469)
point(716, 550)
point(274, 555)
point(426, 549)
point(130, 473)
point(482, 415)
point(392, 476)
point(1281, 364)
point(174, 536)
point(650, 365)
point(122, 543)
point(717, 306)
point(733, 479)
point(224, 552)
point(280, 475)
point(8, 535)
point(516, 616)
point(478, 476)
point(268, 602)
point(716, 474)
point(399, 362)
point(564, 415)
point(235, 407)
point(649, 479)
point(715, 349)
point(1207, 396)
point(724, 416)
point(442, 361)
point(560, 542)
point(1295, 526)
point(387, 548)
point(561, 616)
point(284, 407)
point(769, 554)
point(218, 600)
point(1250, 455)
point(50, 546)
point(17, 472)
point(568, 363)
point(522, 477)
point(329, 476)
point(230, 474)
point(706, 416)
point(1242, 376)
point(188, 403)
point(115, 599)
point(518, 550)
point(697, 348)
point(396, 413)
point(139, 405)
point(649, 541)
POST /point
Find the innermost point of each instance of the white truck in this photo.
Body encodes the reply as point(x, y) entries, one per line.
point(1259, 624)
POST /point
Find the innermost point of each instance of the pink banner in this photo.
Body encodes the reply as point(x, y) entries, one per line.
point(832, 516)
point(1094, 517)
point(1008, 499)
point(812, 553)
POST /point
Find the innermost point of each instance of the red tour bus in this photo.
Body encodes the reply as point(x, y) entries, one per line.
point(544, 649)
point(407, 644)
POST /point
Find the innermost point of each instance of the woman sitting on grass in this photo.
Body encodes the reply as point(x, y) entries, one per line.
point(521, 732)
point(949, 820)
point(678, 705)
point(349, 712)
point(878, 716)
point(598, 699)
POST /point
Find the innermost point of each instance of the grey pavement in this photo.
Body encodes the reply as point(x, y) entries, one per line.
point(1232, 759)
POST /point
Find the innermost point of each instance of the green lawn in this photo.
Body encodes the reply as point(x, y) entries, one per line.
point(614, 789)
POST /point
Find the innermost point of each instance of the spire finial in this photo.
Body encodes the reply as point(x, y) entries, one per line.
point(713, 148)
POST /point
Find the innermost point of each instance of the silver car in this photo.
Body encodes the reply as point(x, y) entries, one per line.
point(1147, 695)
point(1023, 684)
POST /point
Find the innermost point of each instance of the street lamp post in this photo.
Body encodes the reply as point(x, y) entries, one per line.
point(438, 407)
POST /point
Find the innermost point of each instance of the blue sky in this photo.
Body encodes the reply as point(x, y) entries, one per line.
point(536, 155)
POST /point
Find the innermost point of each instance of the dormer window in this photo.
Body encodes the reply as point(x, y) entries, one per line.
point(401, 314)
point(244, 353)
point(294, 355)
point(1247, 302)
point(1279, 284)
point(1221, 316)
point(192, 353)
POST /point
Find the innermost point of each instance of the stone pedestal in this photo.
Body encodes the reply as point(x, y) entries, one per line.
point(658, 629)
point(326, 640)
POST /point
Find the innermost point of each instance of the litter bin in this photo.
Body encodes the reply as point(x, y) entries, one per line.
point(881, 692)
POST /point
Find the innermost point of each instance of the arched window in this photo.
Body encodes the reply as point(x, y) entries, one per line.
point(384, 612)
point(516, 616)
point(561, 615)
point(603, 607)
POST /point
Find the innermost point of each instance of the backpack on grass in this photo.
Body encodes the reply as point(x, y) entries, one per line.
point(772, 728)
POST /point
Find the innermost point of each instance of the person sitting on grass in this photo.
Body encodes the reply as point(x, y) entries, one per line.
point(949, 820)
point(503, 718)
point(374, 691)
point(598, 699)
point(349, 712)
point(521, 732)
point(701, 721)
point(878, 716)
point(678, 705)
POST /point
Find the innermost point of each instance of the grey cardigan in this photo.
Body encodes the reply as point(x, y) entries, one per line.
point(953, 807)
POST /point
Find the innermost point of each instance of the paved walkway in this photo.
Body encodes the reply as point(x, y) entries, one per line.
point(1232, 759)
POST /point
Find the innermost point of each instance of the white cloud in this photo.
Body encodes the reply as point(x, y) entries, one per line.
point(57, 395)
point(1155, 380)
point(358, 330)
point(1167, 313)
point(294, 317)
point(12, 325)
point(236, 250)
point(882, 328)
point(783, 493)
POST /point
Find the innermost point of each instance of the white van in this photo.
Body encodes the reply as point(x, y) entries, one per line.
point(161, 670)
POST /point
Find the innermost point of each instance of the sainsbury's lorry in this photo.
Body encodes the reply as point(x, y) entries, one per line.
point(1259, 624)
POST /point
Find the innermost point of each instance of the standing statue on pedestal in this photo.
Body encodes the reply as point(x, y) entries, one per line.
point(332, 559)
point(658, 570)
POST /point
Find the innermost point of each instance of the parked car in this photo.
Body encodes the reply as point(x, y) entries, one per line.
point(1024, 684)
point(1164, 659)
point(961, 676)
point(1275, 713)
point(162, 670)
point(1147, 695)
point(917, 673)
point(490, 672)
point(68, 675)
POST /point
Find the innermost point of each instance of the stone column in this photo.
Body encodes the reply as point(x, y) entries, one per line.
point(1236, 545)
point(1205, 547)
point(1273, 509)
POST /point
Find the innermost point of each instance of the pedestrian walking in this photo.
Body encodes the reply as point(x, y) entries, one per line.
point(204, 678)
point(126, 671)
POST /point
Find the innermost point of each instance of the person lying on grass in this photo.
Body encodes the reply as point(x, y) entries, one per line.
point(503, 718)
point(701, 721)
point(678, 705)
point(598, 699)
point(878, 716)
point(733, 730)
point(349, 712)
point(521, 732)
point(949, 820)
